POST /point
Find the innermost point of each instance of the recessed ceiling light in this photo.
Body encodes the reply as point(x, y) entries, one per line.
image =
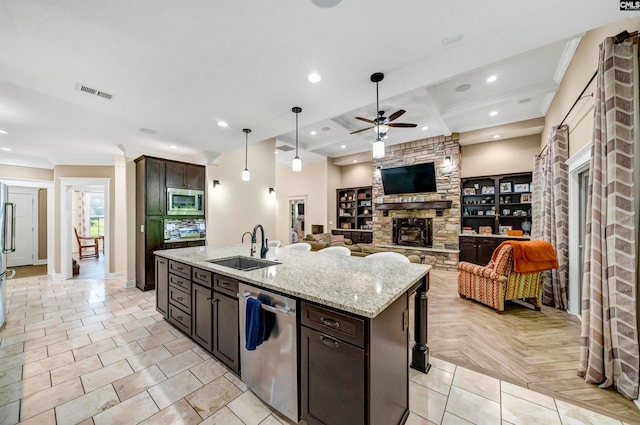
point(6, 149)
point(325, 3)
point(173, 146)
point(493, 113)
point(314, 77)
point(463, 87)
point(276, 151)
point(223, 124)
point(148, 131)
point(497, 136)
point(425, 128)
point(343, 146)
point(355, 160)
point(3, 132)
point(491, 78)
point(313, 132)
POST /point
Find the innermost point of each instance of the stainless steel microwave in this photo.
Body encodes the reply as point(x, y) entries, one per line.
point(185, 202)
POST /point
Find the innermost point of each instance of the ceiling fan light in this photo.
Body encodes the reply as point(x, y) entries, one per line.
point(378, 149)
point(382, 128)
point(246, 175)
point(296, 165)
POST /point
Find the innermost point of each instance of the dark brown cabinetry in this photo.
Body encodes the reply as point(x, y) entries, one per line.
point(179, 295)
point(356, 236)
point(348, 361)
point(478, 249)
point(202, 313)
point(162, 287)
point(226, 331)
point(354, 208)
point(152, 178)
point(184, 176)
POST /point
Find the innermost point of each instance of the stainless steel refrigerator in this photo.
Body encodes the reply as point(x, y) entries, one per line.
point(8, 244)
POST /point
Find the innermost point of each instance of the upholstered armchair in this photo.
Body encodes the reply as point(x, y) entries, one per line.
point(497, 282)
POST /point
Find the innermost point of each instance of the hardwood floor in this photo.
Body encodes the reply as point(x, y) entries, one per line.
point(30, 271)
point(539, 350)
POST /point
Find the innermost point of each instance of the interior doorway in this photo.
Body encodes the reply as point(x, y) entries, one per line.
point(297, 206)
point(25, 200)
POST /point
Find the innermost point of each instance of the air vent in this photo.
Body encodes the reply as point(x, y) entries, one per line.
point(527, 100)
point(89, 90)
point(285, 148)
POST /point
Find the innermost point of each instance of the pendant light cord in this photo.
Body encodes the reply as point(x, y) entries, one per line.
point(377, 113)
point(296, 134)
point(246, 148)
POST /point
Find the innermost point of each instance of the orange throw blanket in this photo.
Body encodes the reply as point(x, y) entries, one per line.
point(530, 256)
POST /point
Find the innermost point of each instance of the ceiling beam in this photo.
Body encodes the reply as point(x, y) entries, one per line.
point(434, 114)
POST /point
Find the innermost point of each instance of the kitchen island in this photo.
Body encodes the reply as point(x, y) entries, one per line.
point(350, 331)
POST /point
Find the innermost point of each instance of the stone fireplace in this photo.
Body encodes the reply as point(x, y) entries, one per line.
point(441, 244)
point(413, 232)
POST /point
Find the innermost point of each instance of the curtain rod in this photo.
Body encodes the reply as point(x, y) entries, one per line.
point(619, 39)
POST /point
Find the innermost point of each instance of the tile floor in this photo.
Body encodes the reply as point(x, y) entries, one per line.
point(89, 352)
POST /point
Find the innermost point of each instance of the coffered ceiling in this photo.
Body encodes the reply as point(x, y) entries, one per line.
point(175, 69)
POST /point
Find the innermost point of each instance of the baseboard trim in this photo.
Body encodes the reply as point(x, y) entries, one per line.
point(58, 276)
point(130, 284)
point(40, 262)
point(116, 275)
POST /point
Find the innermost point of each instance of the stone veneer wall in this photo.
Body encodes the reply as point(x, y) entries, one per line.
point(446, 229)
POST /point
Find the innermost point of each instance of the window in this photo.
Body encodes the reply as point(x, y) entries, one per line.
point(95, 203)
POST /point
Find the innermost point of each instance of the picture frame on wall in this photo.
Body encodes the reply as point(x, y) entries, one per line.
point(506, 187)
point(488, 190)
point(521, 187)
point(469, 191)
point(525, 198)
point(485, 230)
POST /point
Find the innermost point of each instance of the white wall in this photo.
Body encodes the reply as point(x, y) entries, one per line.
point(236, 206)
point(312, 183)
point(499, 157)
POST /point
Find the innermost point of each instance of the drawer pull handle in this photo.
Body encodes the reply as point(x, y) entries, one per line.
point(214, 301)
point(179, 298)
point(225, 284)
point(179, 318)
point(329, 342)
point(330, 323)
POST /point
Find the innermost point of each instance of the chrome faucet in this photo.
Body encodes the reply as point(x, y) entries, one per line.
point(263, 247)
point(252, 250)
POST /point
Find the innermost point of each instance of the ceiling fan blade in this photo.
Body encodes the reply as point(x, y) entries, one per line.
point(358, 131)
point(402, 124)
point(396, 114)
point(365, 120)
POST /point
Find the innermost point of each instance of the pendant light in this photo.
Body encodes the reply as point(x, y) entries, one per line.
point(246, 174)
point(297, 162)
point(378, 144)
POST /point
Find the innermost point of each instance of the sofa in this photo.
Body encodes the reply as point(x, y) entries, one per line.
point(324, 240)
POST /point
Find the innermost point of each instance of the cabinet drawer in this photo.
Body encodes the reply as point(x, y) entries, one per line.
point(226, 285)
point(184, 284)
point(180, 269)
point(180, 298)
point(203, 277)
point(347, 328)
point(179, 318)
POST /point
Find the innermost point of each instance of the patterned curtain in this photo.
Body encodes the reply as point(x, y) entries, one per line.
point(83, 217)
point(554, 218)
point(537, 193)
point(609, 340)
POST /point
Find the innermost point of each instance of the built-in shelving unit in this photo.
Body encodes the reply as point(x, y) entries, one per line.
point(498, 202)
point(355, 209)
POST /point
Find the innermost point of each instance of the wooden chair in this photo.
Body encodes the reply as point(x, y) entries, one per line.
point(84, 244)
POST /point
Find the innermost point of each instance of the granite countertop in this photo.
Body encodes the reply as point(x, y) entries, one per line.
point(351, 284)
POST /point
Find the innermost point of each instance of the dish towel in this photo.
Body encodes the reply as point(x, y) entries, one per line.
point(254, 327)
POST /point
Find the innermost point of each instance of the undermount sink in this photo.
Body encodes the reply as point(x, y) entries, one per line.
point(243, 263)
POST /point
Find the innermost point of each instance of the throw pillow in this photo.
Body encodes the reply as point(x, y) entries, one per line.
point(337, 239)
point(317, 238)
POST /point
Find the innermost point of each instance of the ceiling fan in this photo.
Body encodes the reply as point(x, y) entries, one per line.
point(382, 123)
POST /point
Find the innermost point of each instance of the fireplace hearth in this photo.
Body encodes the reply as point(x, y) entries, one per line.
point(413, 232)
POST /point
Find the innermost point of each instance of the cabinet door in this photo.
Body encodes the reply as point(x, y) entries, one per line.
point(333, 381)
point(175, 175)
point(154, 238)
point(202, 314)
point(226, 330)
point(468, 251)
point(155, 170)
point(162, 285)
point(194, 177)
point(484, 250)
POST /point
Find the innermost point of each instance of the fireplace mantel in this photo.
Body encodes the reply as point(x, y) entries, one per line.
point(429, 205)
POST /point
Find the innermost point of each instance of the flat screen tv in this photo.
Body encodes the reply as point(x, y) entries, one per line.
point(411, 179)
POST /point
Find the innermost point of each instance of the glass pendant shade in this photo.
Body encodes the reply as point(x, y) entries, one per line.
point(246, 175)
point(297, 164)
point(378, 149)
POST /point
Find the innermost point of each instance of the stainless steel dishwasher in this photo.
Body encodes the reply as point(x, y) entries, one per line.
point(271, 370)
